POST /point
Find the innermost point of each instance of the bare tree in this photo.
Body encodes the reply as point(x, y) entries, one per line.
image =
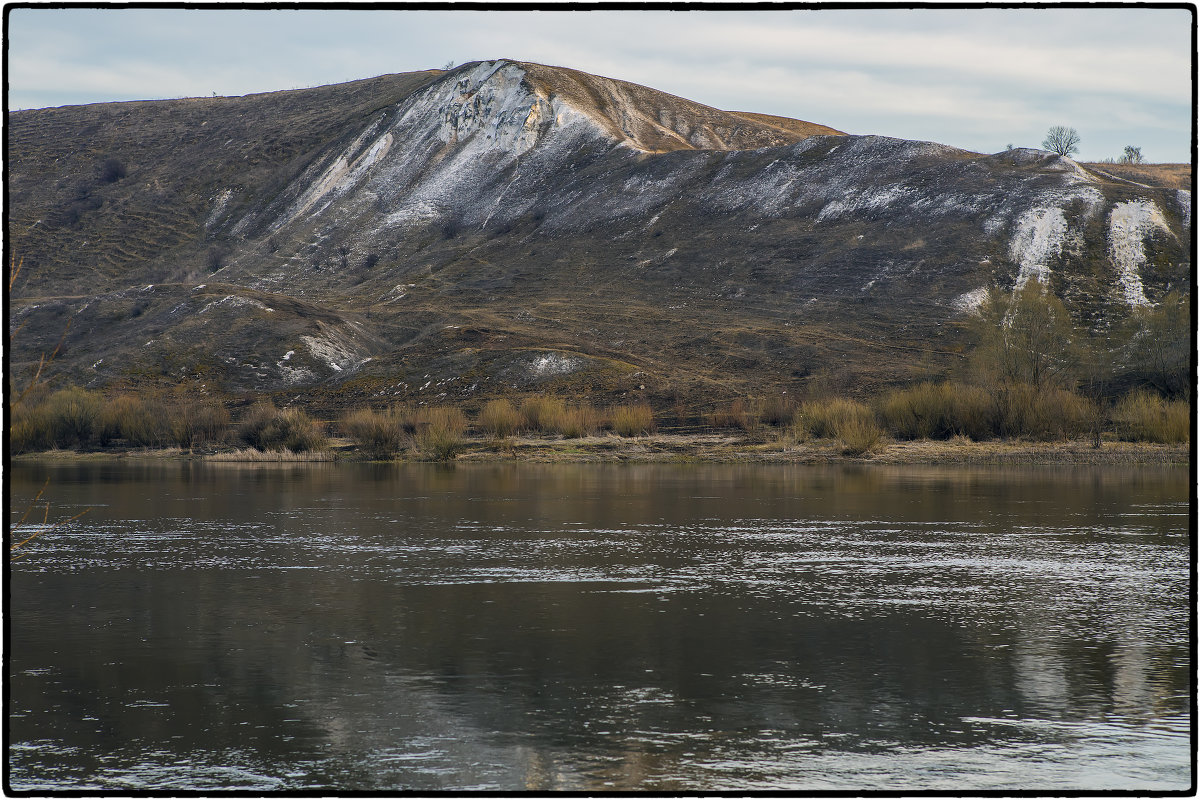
point(1027, 337)
point(1132, 155)
point(1062, 140)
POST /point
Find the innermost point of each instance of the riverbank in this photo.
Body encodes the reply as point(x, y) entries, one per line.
point(702, 448)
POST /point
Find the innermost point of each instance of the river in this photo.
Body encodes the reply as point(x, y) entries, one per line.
point(342, 627)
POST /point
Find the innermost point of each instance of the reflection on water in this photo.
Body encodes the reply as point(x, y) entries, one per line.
point(677, 628)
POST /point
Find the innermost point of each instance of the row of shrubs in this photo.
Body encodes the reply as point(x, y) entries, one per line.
point(74, 417)
point(946, 410)
point(439, 431)
point(78, 418)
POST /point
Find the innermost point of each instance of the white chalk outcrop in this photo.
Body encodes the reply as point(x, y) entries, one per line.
point(1037, 239)
point(1129, 224)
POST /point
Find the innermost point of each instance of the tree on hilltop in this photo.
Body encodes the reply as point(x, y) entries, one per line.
point(1062, 140)
point(1132, 155)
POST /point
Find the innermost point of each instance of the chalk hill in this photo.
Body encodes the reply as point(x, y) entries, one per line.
point(447, 236)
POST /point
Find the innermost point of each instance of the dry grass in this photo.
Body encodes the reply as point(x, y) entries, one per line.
point(197, 422)
point(1171, 176)
point(851, 423)
point(938, 411)
point(499, 419)
point(539, 412)
point(575, 422)
point(139, 422)
point(264, 427)
point(382, 434)
point(736, 414)
point(440, 432)
point(858, 436)
point(632, 420)
point(1146, 417)
point(1040, 413)
point(778, 410)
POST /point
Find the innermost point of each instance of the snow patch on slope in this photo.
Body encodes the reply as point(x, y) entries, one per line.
point(1129, 224)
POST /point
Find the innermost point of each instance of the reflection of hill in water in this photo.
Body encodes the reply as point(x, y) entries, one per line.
point(555, 628)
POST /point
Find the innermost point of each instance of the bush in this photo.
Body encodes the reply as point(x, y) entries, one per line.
point(294, 430)
point(632, 420)
point(938, 411)
point(1144, 416)
point(778, 410)
point(197, 422)
point(851, 423)
point(252, 430)
point(539, 412)
point(858, 435)
point(734, 415)
point(574, 421)
point(381, 433)
point(29, 428)
point(499, 419)
point(440, 432)
point(112, 170)
point(71, 415)
point(822, 418)
point(137, 421)
point(1041, 413)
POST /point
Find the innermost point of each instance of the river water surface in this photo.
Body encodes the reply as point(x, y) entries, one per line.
point(679, 628)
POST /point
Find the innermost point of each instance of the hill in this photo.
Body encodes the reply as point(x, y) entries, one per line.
point(509, 227)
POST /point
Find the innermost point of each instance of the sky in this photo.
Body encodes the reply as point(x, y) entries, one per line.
point(977, 78)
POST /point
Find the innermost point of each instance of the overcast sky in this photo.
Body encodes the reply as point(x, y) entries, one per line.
point(979, 79)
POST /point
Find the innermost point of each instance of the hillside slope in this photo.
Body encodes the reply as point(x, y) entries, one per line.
point(508, 227)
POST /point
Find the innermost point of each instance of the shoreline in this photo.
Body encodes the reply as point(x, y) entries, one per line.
point(707, 448)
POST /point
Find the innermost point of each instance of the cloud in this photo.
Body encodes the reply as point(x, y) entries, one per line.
point(969, 77)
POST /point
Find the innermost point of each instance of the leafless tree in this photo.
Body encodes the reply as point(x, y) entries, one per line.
point(1062, 140)
point(1132, 155)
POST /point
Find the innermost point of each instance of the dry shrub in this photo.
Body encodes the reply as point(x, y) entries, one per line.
point(66, 418)
point(850, 422)
point(938, 411)
point(294, 430)
point(778, 410)
point(197, 422)
point(632, 420)
point(858, 435)
point(264, 427)
point(540, 412)
point(1144, 416)
point(254, 425)
point(574, 421)
point(734, 415)
point(382, 434)
point(974, 412)
point(440, 432)
point(29, 428)
point(137, 421)
point(822, 419)
point(499, 419)
point(74, 413)
point(1040, 412)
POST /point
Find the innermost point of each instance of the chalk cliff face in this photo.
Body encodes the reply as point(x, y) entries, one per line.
point(449, 235)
